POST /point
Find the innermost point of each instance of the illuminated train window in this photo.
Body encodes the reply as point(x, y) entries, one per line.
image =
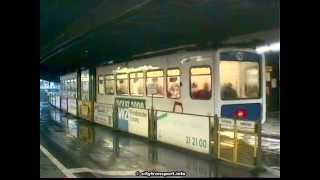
point(239, 80)
point(101, 85)
point(63, 85)
point(73, 85)
point(85, 82)
point(136, 84)
point(74, 88)
point(122, 84)
point(109, 84)
point(69, 87)
point(156, 79)
point(200, 83)
point(173, 83)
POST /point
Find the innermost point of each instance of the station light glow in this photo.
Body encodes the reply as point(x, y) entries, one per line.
point(193, 58)
point(275, 47)
point(129, 70)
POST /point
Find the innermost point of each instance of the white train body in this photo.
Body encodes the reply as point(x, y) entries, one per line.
point(187, 62)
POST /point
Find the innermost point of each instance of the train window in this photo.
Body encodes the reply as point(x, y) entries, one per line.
point(75, 87)
point(173, 83)
point(69, 84)
point(239, 80)
point(200, 83)
point(136, 84)
point(122, 84)
point(63, 85)
point(109, 84)
point(70, 87)
point(156, 79)
point(101, 85)
point(75, 84)
point(85, 82)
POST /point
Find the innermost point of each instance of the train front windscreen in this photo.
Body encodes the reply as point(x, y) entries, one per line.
point(240, 80)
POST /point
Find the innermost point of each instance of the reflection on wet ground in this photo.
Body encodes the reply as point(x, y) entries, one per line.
point(80, 144)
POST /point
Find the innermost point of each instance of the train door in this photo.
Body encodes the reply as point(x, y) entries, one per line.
point(197, 79)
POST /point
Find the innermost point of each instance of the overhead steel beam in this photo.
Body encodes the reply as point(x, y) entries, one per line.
point(69, 43)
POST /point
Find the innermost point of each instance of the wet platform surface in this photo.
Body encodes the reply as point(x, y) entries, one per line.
point(90, 150)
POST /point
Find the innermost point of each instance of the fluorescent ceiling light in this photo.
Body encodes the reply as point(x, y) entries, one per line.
point(275, 47)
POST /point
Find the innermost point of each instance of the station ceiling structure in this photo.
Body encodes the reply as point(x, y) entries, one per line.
point(82, 33)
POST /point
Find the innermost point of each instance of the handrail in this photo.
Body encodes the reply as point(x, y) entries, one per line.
point(183, 113)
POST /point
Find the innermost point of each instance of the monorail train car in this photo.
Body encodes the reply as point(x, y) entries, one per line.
point(227, 82)
point(87, 94)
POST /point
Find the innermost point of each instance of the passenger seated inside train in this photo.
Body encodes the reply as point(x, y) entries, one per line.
point(174, 91)
point(228, 93)
point(203, 93)
point(157, 82)
point(122, 87)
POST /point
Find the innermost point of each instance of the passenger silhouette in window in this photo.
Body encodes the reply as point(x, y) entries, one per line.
point(158, 84)
point(228, 92)
point(174, 88)
point(205, 92)
point(122, 88)
point(175, 91)
point(194, 89)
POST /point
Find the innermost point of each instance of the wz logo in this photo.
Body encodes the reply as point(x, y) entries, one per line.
point(123, 113)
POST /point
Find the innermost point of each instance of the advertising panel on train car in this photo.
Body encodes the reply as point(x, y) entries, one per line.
point(72, 106)
point(226, 123)
point(138, 122)
point(246, 126)
point(123, 105)
point(187, 131)
point(103, 114)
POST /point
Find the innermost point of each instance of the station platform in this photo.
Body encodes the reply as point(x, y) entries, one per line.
point(48, 169)
point(85, 149)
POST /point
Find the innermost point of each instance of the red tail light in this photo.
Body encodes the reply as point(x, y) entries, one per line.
point(241, 114)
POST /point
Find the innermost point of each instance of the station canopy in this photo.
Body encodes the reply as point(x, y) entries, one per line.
point(86, 33)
